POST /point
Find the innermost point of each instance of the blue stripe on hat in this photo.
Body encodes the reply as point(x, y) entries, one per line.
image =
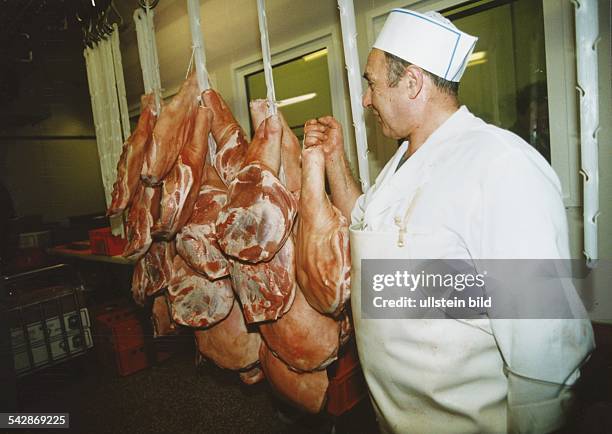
point(455, 32)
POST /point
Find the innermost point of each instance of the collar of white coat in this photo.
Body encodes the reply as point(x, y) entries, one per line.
point(414, 173)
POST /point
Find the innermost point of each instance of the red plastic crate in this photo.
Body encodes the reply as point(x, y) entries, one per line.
point(103, 242)
point(131, 360)
point(120, 340)
point(347, 386)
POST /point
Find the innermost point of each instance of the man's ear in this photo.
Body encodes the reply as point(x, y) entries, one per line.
point(413, 80)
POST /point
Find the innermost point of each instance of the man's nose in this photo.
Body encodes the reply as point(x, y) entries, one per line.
point(366, 99)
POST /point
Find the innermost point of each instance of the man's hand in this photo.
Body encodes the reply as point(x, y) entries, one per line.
point(325, 132)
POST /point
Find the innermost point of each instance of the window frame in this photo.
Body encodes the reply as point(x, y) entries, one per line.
point(326, 38)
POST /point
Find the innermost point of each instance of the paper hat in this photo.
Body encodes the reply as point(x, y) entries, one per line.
point(428, 40)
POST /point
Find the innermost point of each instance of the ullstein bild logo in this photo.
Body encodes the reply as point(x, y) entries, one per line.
point(468, 289)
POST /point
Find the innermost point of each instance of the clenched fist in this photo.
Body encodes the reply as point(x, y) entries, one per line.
point(325, 132)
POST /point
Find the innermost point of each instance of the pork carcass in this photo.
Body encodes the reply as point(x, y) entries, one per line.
point(181, 186)
point(161, 318)
point(197, 241)
point(132, 157)
point(322, 253)
point(229, 137)
point(142, 214)
point(229, 344)
point(267, 289)
point(171, 132)
point(303, 338)
point(196, 301)
point(306, 390)
point(260, 211)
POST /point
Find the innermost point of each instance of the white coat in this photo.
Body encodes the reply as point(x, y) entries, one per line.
point(471, 190)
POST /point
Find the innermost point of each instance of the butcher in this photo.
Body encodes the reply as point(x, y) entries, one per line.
point(457, 187)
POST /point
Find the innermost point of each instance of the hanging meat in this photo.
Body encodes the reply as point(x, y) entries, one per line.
point(140, 282)
point(306, 390)
point(229, 137)
point(291, 150)
point(171, 132)
point(158, 266)
point(181, 186)
point(196, 301)
point(142, 214)
point(132, 157)
point(229, 344)
point(252, 376)
point(197, 241)
point(161, 318)
point(259, 214)
point(152, 272)
point(303, 338)
point(267, 289)
point(322, 253)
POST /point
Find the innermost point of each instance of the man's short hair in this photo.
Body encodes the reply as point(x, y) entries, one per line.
point(396, 67)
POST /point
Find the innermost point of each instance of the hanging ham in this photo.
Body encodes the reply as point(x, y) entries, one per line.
point(323, 257)
point(195, 300)
point(259, 214)
point(171, 132)
point(143, 212)
point(229, 137)
point(303, 338)
point(266, 290)
point(229, 344)
point(181, 186)
point(132, 157)
point(305, 390)
point(197, 241)
point(161, 318)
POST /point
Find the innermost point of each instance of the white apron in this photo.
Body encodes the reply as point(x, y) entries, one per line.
point(429, 375)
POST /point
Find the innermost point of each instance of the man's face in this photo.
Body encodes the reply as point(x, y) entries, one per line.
point(390, 105)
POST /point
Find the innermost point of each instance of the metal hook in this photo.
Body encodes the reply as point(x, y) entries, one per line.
point(145, 4)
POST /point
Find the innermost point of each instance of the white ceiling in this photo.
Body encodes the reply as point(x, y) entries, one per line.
point(230, 30)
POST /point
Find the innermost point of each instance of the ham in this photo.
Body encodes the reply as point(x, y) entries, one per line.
point(152, 272)
point(197, 241)
point(260, 211)
point(171, 132)
point(181, 186)
point(158, 266)
point(266, 290)
point(142, 214)
point(132, 158)
point(305, 390)
point(323, 258)
point(229, 137)
point(139, 283)
point(303, 338)
point(161, 318)
point(195, 300)
point(291, 150)
point(229, 344)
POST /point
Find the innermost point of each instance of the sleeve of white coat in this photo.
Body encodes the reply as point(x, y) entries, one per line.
point(523, 217)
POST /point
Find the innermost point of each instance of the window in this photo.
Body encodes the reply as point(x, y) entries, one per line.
point(302, 88)
point(505, 82)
